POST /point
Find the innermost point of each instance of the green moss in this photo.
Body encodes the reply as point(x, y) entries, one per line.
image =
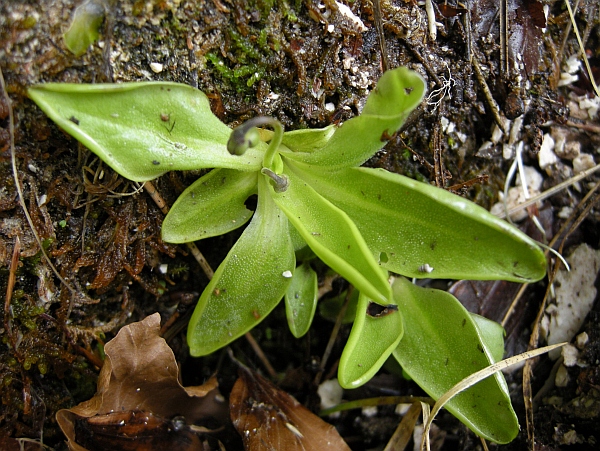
point(178, 270)
point(42, 367)
point(29, 22)
point(253, 49)
point(28, 362)
point(163, 287)
point(262, 39)
point(25, 313)
point(7, 380)
point(240, 77)
point(244, 48)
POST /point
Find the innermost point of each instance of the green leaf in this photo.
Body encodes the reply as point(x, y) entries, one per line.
point(492, 334)
point(248, 284)
point(332, 236)
point(83, 30)
point(441, 346)
point(301, 300)
point(398, 92)
point(409, 224)
point(308, 140)
point(145, 129)
point(211, 206)
point(373, 337)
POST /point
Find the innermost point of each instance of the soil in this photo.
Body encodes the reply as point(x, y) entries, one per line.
point(308, 64)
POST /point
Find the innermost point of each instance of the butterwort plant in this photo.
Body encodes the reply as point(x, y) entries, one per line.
point(363, 223)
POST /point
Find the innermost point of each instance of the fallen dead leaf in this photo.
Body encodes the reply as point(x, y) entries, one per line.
point(269, 419)
point(139, 385)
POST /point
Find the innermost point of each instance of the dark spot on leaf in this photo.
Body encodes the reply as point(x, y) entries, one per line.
point(480, 348)
point(74, 120)
point(408, 90)
point(464, 321)
point(155, 162)
point(433, 245)
point(377, 311)
point(251, 202)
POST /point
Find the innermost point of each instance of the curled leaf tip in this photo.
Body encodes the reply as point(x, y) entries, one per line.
point(246, 135)
point(242, 139)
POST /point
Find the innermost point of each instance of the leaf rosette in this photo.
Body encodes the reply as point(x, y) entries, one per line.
point(311, 192)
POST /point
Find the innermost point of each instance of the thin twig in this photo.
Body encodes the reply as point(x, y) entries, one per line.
point(489, 97)
point(503, 16)
point(261, 355)
point(380, 35)
point(431, 24)
point(12, 277)
point(513, 304)
point(160, 203)
point(582, 49)
point(404, 432)
point(377, 401)
point(567, 32)
point(549, 192)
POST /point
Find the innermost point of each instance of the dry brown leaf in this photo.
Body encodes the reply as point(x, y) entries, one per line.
point(135, 431)
point(268, 418)
point(140, 378)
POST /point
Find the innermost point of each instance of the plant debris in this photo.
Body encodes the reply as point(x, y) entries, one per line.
point(139, 402)
point(268, 418)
